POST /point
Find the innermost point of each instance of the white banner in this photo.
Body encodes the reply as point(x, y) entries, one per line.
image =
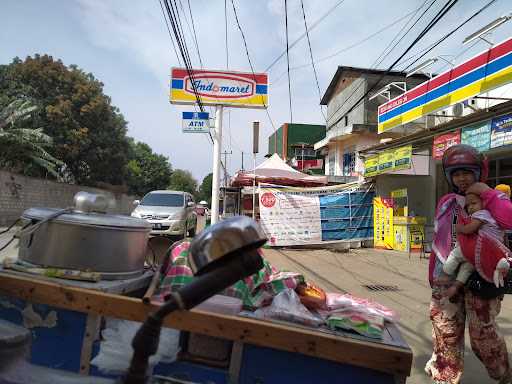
point(290, 219)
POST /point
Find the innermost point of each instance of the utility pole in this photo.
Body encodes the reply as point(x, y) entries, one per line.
point(242, 161)
point(226, 153)
point(217, 142)
point(255, 150)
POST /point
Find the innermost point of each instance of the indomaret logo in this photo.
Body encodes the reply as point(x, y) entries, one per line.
point(220, 86)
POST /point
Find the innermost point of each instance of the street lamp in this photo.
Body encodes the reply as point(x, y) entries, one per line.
point(485, 30)
point(421, 66)
point(385, 91)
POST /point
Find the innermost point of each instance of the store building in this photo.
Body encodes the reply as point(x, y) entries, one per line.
point(352, 126)
point(294, 144)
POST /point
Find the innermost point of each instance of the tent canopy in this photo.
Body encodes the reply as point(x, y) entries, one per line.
point(275, 171)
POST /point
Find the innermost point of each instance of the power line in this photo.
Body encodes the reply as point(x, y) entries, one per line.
point(174, 18)
point(356, 44)
point(288, 60)
point(312, 61)
point(194, 29)
point(313, 26)
point(170, 35)
point(446, 8)
point(383, 55)
point(452, 32)
point(250, 62)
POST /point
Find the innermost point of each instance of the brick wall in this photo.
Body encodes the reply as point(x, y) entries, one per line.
point(18, 193)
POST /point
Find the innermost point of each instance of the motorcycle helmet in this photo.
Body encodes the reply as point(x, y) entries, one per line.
point(464, 157)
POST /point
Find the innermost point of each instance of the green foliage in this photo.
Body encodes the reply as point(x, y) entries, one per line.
point(24, 150)
point(182, 180)
point(89, 134)
point(146, 171)
point(205, 189)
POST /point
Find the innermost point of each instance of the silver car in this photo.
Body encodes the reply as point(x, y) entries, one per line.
point(170, 212)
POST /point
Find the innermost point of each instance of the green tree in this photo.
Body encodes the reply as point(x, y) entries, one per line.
point(205, 189)
point(88, 132)
point(22, 149)
point(182, 180)
point(146, 171)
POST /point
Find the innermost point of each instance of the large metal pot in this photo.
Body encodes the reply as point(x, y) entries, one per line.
point(114, 246)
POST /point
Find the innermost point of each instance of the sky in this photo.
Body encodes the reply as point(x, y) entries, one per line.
point(126, 45)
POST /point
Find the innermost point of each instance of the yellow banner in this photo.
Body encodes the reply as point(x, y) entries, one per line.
point(383, 235)
point(387, 161)
point(371, 166)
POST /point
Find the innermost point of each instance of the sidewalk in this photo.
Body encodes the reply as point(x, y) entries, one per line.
point(350, 271)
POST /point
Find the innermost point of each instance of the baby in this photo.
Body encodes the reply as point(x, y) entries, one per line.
point(483, 223)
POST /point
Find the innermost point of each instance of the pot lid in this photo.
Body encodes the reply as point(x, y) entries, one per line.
point(100, 219)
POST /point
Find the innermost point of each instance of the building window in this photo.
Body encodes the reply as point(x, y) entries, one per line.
point(500, 172)
point(349, 163)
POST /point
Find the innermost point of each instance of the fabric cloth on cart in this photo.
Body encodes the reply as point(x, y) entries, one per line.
point(255, 291)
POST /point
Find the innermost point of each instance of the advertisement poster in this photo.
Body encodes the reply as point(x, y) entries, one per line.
point(371, 166)
point(386, 161)
point(290, 219)
point(403, 157)
point(478, 136)
point(443, 142)
point(501, 131)
point(383, 235)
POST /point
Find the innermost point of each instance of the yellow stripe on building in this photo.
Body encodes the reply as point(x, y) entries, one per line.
point(490, 82)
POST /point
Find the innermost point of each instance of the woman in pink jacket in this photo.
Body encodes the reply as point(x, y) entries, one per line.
point(466, 171)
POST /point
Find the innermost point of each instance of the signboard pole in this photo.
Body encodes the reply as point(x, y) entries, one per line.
point(255, 150)
point(217, 143)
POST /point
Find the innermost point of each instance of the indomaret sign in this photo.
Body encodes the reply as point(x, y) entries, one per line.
point(228, 88)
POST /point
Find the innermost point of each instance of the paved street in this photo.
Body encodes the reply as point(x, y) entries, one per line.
point(350, 271)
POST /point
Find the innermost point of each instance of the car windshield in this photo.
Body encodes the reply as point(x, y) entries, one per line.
point(163, 200)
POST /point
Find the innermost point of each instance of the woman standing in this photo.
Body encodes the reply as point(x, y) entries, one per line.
point(466, 172)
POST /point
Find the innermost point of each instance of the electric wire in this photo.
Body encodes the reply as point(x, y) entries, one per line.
point(250, 62)
point(226, 32)
point(452, 32)
point(312, 60)
point(313, 26)
point(288, 60)
point(170, 34)
point(385, 52)
point(195, 35)
point(440, 14)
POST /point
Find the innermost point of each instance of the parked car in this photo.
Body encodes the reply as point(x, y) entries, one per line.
point(171, 213)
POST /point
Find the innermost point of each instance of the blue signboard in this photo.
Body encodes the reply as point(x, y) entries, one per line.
point(478, 136)
point(501, 131)
point(196, 122)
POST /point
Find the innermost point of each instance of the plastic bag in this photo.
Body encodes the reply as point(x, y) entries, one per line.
point(338, 301)
point(116, 347)
point(287, 306)
point(363, 323)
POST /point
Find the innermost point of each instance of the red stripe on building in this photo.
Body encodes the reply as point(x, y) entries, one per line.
point(477, 61)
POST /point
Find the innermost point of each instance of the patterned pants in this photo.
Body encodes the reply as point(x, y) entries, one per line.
point(448, 322)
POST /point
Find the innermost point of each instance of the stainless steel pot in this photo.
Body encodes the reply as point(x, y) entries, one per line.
point(114, 246)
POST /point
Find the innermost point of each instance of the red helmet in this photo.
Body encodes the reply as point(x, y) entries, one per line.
point(462, 156)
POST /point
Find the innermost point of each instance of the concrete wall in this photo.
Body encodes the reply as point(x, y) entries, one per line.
point(18, 193)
